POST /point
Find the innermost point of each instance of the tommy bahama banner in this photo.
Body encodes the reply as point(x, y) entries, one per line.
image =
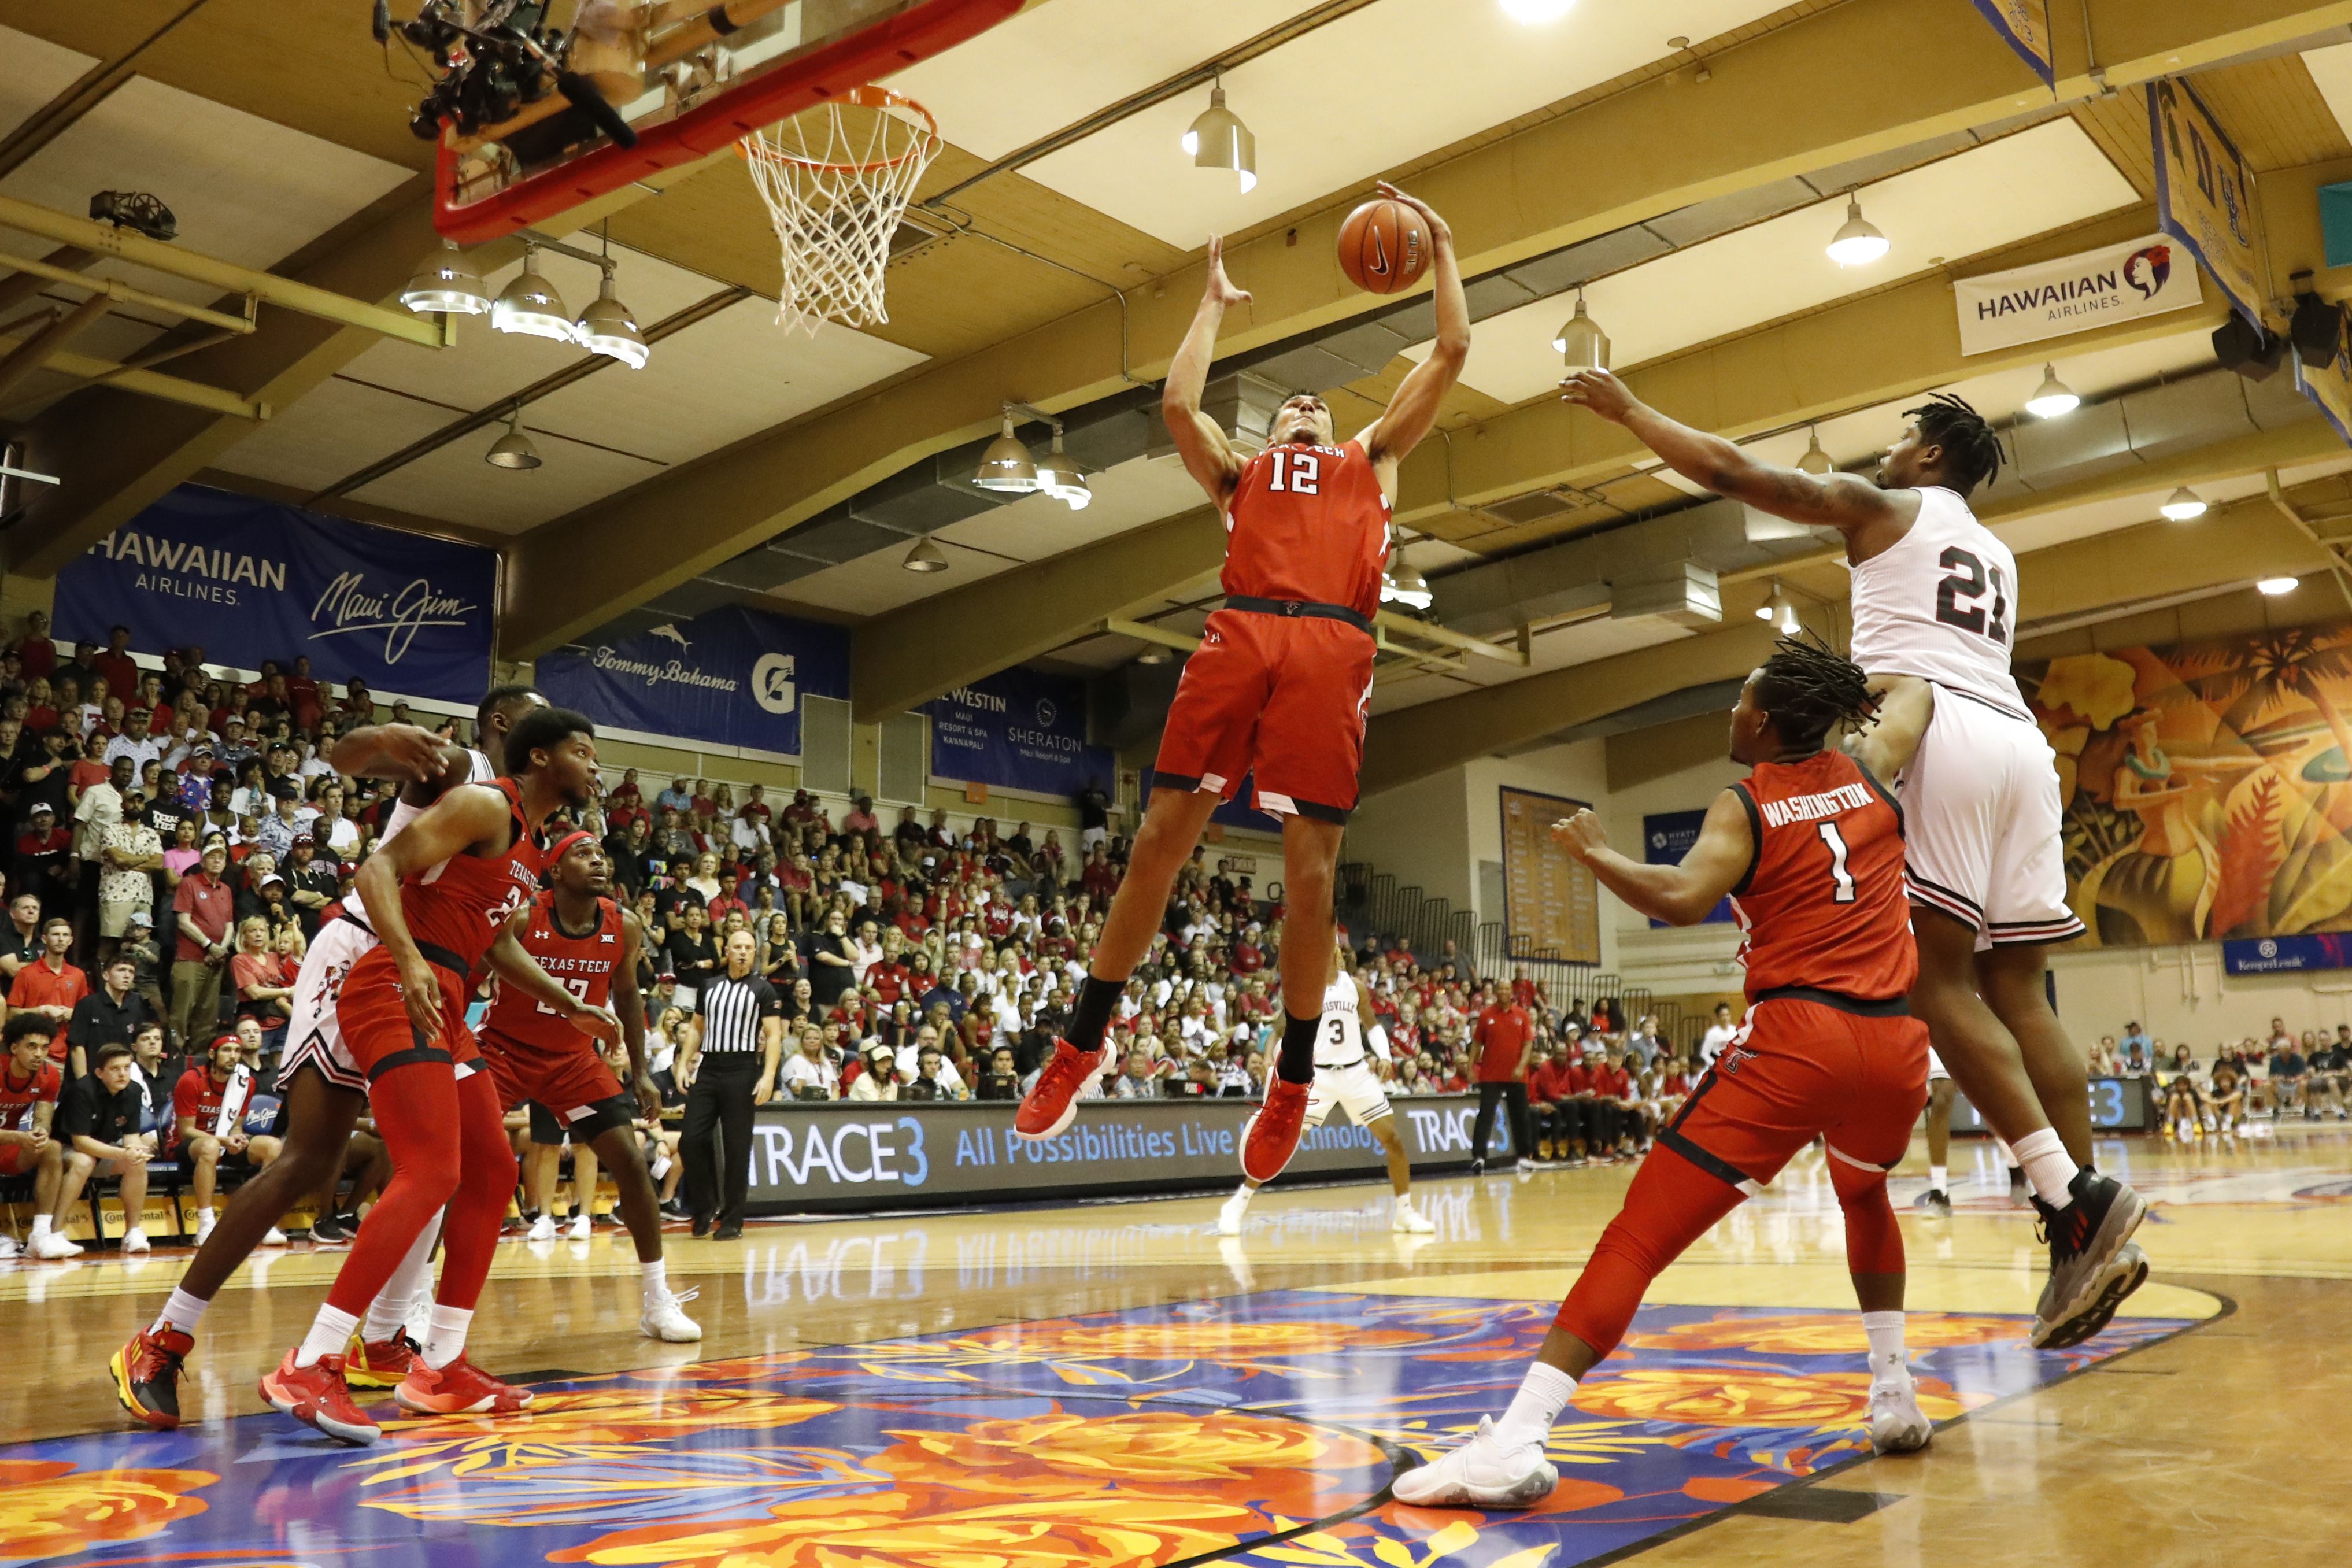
point(2208, 785)
point(728, 676)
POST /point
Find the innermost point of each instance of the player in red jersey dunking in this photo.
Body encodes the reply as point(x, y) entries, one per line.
point(1810, 847)
point(588, 945)
point(1277, 687)
point(439, 896)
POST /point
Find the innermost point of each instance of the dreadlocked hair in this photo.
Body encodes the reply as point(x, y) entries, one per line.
point(1971, 451)
point(1807, 686)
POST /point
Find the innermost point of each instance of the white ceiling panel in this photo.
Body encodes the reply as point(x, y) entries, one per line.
point(1375, 90)
point(1966, 205)
point(1569, 645)
point(2130, 511)
point(454, 483)
point(874, 584)
point(2331, 68)
point(38, 70)
point(340, 427)
point(1136, 492)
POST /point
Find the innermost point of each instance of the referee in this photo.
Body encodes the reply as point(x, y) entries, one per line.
point(728, 1065)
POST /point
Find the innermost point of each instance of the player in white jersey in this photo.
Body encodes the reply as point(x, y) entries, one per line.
point(1935, 598)
point(324, 1103)
point(1344, 1046)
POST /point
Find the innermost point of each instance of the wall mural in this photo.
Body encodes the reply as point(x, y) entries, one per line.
point(2208, 785)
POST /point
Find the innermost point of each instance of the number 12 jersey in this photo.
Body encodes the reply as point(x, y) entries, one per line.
point(1941, 604)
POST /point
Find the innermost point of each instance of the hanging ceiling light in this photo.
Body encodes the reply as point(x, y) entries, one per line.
point(1535, 13)
point(1218, 140)
point(531, 304)
point(924, 557)
point(2052, 397)
point(1155, 653)
point(446, 281)
point(1858, 242)
point(606, 327)
point(1815, 460)
point(1005, 466)
point(1582, 344)
point(2279, 584)
point(514, 449)
point(1406, 585)
point(1059, 477)
point(2183, 504)
point(1779, 609)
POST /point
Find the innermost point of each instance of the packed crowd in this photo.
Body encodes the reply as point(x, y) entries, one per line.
point(2223, 1095)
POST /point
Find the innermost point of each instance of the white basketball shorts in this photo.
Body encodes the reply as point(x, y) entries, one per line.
point(313, 1033)
point(1935, 1068)
point(1980, 828)
point(1355, 1087)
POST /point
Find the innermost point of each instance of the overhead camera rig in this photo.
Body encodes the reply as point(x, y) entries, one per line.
point(505, 58)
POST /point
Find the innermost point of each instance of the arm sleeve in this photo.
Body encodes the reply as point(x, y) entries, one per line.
point(1378, 1038)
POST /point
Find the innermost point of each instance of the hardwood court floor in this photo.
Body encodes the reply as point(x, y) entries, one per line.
point(1111, 1382)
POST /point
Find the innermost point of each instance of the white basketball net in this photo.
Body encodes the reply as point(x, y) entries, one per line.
point(835, 181)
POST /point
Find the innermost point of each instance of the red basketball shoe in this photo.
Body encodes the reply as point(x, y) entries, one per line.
point(317, 1395)
point(147, 1375)
point(382, 1364)
point(1047, 1109)
point(459, 1388)
point(1272, 1135)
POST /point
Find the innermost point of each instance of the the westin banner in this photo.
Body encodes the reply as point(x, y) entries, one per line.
point(2051, 299)
point(730, 677)
point(247, 580)
point(1018, 729)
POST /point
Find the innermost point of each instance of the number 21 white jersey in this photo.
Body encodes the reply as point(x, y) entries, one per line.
point(1941, 604)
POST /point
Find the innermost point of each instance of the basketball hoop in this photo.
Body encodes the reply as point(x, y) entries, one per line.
point(835, 180)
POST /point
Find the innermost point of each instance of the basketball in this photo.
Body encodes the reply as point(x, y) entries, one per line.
point(1383, 246)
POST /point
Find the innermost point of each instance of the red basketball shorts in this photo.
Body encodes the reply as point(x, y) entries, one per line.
point(378, 1033)
point(1276, 697)
point(1797, 1068)
point(18, 1159)
point(564, 1082)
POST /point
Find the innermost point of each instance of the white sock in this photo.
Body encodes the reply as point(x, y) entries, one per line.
point(204, 1214)
point(1939, 1178)
point(331, 1334)
point(1542, 1396)
point(1888, 1361)
point(183, 1312)
point(412, 1278)
point(446, 1340)
point(657, 1279)
point(2048, 1166)
point(41, 1225)
point(1243, 1194)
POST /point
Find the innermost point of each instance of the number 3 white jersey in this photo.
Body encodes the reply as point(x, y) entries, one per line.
point(1341, 1039)
point(1941, 604)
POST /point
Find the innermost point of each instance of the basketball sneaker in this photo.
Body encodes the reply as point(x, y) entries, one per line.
point(461, 1388)
point(1410, 1221)
point(2089, 1271)
point(542, 1229)
point(1897, 1426)
point(1934, 1203)
point(1047, 1109)
point(317, 1397)
point(9, 1247)
point(1270, 1136)
point(581, 1228)
point(134, 1240)
point(382, 1364)
point(1481, 1473)
point(662, 1320)
point(147, 1375)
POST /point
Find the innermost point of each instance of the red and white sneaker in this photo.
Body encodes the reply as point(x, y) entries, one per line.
point(461, 1388)
point(317, 1395)
point(1272, 1135)
point(1047, 1109)
point(381, 1364)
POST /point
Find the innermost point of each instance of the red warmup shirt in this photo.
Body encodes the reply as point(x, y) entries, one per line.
point(1823, 904)
point(1610, 1082)
point(37, 986)
point(1502, 1035)
point(200, 1095)
point(20, 1096)
point(1550, 1082)
point(583, 966)
point(1308, 523)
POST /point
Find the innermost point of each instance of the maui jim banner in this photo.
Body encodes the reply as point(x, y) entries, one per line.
point(248, 580)
point(2204, 198)
point(2024, 26)
point(730, 677)
point(2051, 299)
point(1018, 729)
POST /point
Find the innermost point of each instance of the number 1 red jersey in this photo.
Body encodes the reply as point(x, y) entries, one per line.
point(1823, 902)
point(1309, 523)
point(583, 966)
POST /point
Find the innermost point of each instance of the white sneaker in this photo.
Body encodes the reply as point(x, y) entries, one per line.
point(135, 1240)
point(51, 1247)
point(204, 1223)
point(663, 1321)
point(1410, 1220)
point(581, 1228)
point(1481, 1473)
point(273, 1237)
point(9, 1247)
point(542, 1229)
point(1229, 1218)
point(1897, 1426)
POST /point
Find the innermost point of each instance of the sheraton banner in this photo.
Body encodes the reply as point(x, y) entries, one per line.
point(1018, 729)
point(728, 676)
point(2024, 26)
point(248, 580)
point(2051, 299)
point(2204, 198)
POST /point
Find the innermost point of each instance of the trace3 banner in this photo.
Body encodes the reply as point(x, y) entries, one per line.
point(1018, 729)
point(728, 676)
point(249, 580)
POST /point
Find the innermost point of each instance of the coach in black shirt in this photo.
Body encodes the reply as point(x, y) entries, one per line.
point(728, 1065)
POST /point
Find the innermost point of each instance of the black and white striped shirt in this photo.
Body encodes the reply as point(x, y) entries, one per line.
point(732, 1011)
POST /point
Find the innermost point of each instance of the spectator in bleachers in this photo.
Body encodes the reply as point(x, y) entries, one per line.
point(204, 905)
point(21, 943)
point(115, 1011)
point(50, 986)
point(98, 1120)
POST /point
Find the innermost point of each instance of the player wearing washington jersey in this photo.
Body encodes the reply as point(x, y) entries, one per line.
point(1349, 1037)
point(324, 1092)
point(589, 945)
point(1278, 689)
point(1810, 848)
point(1935, 615)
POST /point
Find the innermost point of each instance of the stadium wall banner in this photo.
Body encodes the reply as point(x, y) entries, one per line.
point(249, 580)
point(2204, 198)
point(2207, 786)
point(728, 676)
point(1018, 729)
point(2329, 386)
point(2024, 26)
point(2287, 954)
point(852, 1154)
point(2051, 299)
point(1666, 838)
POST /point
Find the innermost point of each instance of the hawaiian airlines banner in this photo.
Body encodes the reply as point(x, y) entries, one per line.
point(730, 677)
point(248, 580)
point(2051, 299)
point(2204, 198)
point(2024, 26)
point(1018, 729)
